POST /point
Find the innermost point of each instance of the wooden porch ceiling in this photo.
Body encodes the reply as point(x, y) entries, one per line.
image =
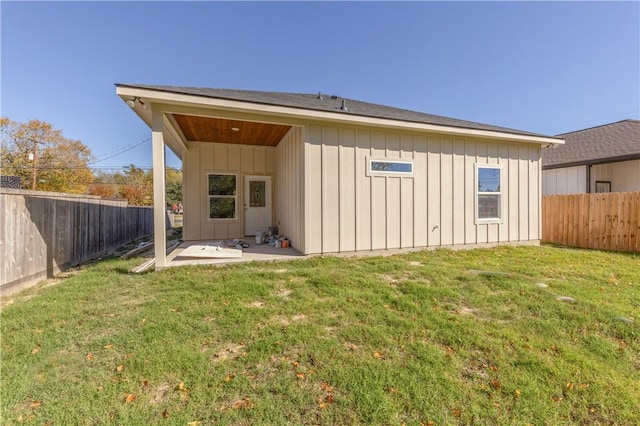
point(207, 129)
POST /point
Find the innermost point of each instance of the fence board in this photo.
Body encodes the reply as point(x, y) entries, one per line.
point(43, 233)
point(600, 221)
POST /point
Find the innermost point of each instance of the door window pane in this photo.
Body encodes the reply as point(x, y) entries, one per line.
point(257, 194)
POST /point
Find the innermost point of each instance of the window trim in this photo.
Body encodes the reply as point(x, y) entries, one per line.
point(209, 196)
point(603, 184)
point(477, 193)
point(370, 172)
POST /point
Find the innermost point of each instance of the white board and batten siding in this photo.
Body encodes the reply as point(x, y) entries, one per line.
point(564, 180)
point(204, 158)
point(348, 209)
point(289, 187)
point(623, 175)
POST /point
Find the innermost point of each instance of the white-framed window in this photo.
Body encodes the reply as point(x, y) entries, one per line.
point(223, 195)
point(488, 193)
point(380, 166)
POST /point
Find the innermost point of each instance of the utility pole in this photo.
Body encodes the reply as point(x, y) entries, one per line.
point(33, 157)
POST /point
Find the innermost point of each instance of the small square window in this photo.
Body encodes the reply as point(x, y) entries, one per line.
point(603, 186)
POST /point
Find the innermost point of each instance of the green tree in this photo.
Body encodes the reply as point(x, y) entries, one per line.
point(43, 158)
point(173, 180)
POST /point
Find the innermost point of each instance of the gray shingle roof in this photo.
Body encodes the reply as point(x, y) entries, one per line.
point(602, 144)
point(330, 104)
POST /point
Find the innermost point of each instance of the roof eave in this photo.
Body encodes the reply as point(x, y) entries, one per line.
point(127, 92)
point(628, 157)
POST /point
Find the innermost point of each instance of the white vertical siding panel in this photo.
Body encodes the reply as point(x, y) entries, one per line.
point(459, 179)
point(363, 191)
point(378, 196)
point(207, 229)
point(492, 158)
point(259, 161)
point(288, 187)
point(433, 191)
point(378, 212)
point(233, 157)
point(347, 190)
point(393, 212)
point(420, 232)
point(378, 144)
point(503, 227)
point(446, 192)
point(523, 193)
point(220, 157)
point(246, 159)
point(534, 192)
point(407, 195)
point(546, 180)
point(393, 145)
point(330, 190)
point(514, 187)
point(562, 181)
point(470, 236)
point(625, 176)
point(313, 134)
point(313, 197)
point(270, 161)
point(482, 232)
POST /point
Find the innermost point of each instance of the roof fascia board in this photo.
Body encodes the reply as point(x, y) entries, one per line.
point(619, 159)
point(168, 97)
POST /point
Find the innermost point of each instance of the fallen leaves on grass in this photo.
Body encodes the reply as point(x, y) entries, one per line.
point(35, 404)
point(183, 391)
point(119, 368)
point(129, 398)
point(165, 414)
point(109, 346)
point(89, 356)
point(35, 350)
point(456, 412)
point(350, 346)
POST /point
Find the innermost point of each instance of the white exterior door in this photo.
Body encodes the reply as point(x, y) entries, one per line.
point(257, 204)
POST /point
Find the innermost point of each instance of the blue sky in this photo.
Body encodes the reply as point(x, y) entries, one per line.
point(547, 67)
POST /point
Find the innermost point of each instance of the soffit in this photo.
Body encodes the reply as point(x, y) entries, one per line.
point(209, 129)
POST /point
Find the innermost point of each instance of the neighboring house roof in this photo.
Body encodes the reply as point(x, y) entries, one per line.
point(330, 103)
point(608, 143)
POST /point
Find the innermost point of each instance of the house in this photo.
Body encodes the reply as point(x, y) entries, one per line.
point(338, 175)
point(599, 159)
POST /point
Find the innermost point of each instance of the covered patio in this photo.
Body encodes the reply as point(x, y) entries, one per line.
point(183, 255)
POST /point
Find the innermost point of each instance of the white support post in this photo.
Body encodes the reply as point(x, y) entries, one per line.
point(159, 202)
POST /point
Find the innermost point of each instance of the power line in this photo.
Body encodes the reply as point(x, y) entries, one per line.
point(122, 151)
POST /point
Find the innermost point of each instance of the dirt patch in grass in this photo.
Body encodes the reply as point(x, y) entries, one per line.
point(284, 293)
point(284, 320)
point(159, 394)
point(231, 351)
point(256, 304)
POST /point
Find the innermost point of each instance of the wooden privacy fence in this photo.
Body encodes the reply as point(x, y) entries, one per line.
point(608, 221)
point(43, 233)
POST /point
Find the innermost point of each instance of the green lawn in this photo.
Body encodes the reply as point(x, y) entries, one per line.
point(435, 337)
